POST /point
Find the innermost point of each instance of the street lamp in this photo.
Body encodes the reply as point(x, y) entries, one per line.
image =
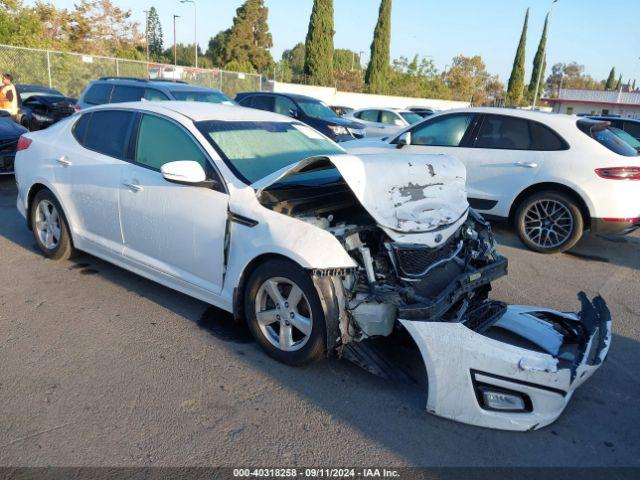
point(146, 37)
point(195, 27)
point(175, 52)
point(544, 58)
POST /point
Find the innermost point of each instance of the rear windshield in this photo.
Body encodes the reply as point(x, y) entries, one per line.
point(411, 117)
point(626, 137)
point(600, 132)
point(196, 96)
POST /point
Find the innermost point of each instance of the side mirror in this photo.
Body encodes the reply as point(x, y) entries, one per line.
point(404, 139)
point(293, 113)
point(184, 172)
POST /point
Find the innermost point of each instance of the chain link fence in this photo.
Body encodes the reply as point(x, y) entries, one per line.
point(71, 72)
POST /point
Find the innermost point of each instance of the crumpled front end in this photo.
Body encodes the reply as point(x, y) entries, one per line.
point(516, 371)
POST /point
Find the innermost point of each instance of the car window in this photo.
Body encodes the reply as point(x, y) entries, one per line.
point(161, 141)
point(446, 131)
point(253, 150)
point(125, 93)
point(98, 94)
point(626, 137)
point(411, 117)
point(263, 102)
point(108, 132)
point(368, 115)
point(80, 127)
point(152, 94)
point(632, 128)
point(284, 106)
point(389, 118)
point(502, 132)
point(246, 101)
point(201, 96)
point(316, 109)
point(601, 133)
point(545, 139)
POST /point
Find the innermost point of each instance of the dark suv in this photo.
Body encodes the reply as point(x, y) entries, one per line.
point(124, 89)
point(309, 110)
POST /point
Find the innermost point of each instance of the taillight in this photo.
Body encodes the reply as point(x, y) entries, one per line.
point(23, 143)
point(77, 107)
point(619, 173)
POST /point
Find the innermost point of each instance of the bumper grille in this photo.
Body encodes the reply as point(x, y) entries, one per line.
point(413, 260)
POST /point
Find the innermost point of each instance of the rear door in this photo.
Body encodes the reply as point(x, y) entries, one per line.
point(371, 121)
point(175, 229)
point(127, 93)
point(263, 102)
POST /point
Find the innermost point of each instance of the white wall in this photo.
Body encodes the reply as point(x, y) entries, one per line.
point(363, 100)
point(624, 110)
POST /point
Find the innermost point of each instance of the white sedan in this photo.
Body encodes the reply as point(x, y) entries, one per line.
point(264, 217)
point(380, 122)
point(553, 176)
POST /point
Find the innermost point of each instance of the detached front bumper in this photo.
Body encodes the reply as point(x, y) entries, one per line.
point(553, 354)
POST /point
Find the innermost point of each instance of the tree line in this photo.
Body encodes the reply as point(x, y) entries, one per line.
point(99, 27)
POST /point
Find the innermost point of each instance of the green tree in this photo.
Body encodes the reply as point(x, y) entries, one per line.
point(539, 63)
point(247, 41)
point(515, 87)
point(346, 60)
point(378, 70)
point(611, 79)
point(294, 57)
point(619, 83)
point(318, 58)
point(184, 54)
point(154, 34)
point(467, 79)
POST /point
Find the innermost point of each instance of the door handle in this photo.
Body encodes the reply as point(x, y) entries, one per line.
point(133, 187)
point(526, 164)
point(63, 161)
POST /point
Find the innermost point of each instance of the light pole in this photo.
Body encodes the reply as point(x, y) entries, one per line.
point(544, 58)
point(195, 27)
point(146, 37)
point(175, 51)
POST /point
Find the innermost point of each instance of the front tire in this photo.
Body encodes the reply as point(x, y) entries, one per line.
point(50, 227)
point(549, 222)
point(284, 312)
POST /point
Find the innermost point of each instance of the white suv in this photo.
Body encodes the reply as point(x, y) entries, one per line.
point(553, 176)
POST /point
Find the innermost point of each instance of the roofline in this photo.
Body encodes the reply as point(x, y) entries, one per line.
point(590, 102)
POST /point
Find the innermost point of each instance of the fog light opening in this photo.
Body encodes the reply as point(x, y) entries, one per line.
point(503, 401)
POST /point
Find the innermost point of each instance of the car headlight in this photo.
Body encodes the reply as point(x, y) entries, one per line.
point(41, 118)
point(338, 130)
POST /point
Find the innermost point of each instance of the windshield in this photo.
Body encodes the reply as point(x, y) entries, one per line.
point(316, 109)
point(411, 117)
point(601, 132)
point(626, 137)
point(201, 96)
point(254, 150)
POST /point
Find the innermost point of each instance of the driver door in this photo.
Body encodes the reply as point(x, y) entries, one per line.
point(178, 230)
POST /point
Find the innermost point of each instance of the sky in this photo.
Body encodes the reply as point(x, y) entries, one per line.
point(598, 34)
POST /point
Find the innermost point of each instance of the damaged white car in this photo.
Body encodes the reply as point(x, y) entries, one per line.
point(264, 217)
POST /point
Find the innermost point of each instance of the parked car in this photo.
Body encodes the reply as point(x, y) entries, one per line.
point(124, 89)
point(553, 176)
point(424, 112)
point(262, 216)
point(10, 132)
point(341, 110)
point(629, 125)
point(41, 107)
point(380, 122)
point(309, 110)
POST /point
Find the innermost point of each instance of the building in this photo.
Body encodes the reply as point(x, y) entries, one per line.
point(597, 102)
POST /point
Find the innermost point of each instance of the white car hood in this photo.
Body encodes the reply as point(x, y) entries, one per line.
point(407, 195)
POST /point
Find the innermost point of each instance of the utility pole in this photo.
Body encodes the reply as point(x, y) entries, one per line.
point(544, 59)
point(195, 28)
point(146, 37)
point(175, 51)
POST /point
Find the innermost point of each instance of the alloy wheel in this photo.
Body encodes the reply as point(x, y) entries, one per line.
point(284, 314)
point(548, 223)
point(47, 224)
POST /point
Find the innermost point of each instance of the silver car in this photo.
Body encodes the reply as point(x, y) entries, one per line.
point(381, 122)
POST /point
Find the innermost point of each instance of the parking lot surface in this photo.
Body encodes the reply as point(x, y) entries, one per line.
point(100, 367)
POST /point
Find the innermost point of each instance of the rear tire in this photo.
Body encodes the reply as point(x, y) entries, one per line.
point(284, 312)
point(549, 222)
point(50, 227)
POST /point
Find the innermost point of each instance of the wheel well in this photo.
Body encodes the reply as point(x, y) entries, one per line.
point(238, 292)
point(35, 188)
point(557, 187)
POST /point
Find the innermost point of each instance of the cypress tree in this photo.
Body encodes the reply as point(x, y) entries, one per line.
point(619, 84)
point(539, 62)
point(611, 79)
point(318, 58)
point(154, 34)
point(515, 86)
point(378, 70)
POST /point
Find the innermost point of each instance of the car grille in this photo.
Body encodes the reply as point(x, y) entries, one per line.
point(413, 260)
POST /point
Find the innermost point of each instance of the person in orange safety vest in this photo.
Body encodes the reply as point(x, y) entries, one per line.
point(8, 95)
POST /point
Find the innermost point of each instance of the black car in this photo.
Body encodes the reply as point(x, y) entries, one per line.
point(309, 110)
point(629, 125)
point(10, 132)
point(41, 107)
